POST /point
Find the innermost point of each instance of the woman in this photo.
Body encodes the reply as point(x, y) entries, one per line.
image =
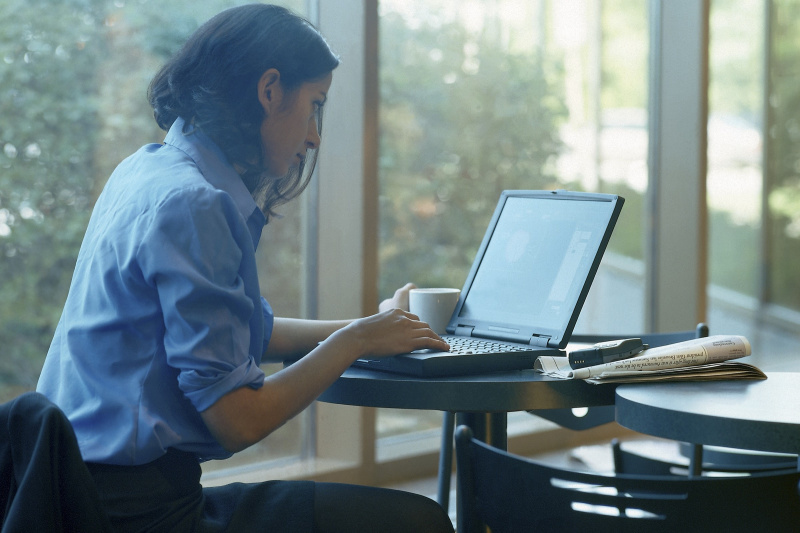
point(156, 357)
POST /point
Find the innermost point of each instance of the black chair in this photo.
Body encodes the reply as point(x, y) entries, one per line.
point(733, 460)
point(44, 483)
point(587, 418)
point(511, 494)
point(629, 462)
point(700, 461)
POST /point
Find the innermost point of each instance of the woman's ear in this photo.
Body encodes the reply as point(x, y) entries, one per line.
point(269, 90)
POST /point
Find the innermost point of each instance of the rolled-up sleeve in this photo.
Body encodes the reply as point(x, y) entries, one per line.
point(197, 254)
point(269, 321)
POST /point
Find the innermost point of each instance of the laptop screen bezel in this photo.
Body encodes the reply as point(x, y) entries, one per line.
point(555, 338)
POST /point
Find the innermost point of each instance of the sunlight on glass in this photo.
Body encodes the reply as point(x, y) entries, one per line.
point(734, 179)
point(73, 82)
point(478, 97)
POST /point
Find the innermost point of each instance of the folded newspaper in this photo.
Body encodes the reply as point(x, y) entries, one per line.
point(703, 359)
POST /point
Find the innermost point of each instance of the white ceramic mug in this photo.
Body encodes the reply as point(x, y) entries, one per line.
point(434, 306)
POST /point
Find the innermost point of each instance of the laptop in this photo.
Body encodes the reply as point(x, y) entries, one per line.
point(526, 287)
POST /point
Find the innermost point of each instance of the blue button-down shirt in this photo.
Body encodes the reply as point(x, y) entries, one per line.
point(164, 315)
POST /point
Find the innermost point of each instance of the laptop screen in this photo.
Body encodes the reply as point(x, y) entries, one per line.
point(537, 264)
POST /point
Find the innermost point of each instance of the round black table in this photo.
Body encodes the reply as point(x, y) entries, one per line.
point(754, 415)
point(479, 401)
point(497, 392)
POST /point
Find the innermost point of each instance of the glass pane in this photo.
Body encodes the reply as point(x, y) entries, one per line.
point(613, 153)
point(753, 287)
point(784, 157)
point(478, 97)
point(73, 79)
point(734, 145)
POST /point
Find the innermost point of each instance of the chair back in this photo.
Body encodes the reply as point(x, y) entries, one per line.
point(712, 462)
point(512, 494)
point(44, 483)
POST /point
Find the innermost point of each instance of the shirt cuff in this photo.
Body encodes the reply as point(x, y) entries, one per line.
point(269, 322)
point(204, 390)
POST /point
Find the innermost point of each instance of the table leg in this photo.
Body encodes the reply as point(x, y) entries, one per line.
point(446, 460)
point(491, 428)
point(475, 421)
point(498, 430)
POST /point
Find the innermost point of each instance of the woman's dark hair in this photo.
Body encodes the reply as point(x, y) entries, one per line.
point(212, 83)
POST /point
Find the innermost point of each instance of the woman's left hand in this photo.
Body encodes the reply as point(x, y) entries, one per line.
point(399, 300)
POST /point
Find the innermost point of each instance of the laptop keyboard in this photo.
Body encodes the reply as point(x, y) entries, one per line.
point(470, 345)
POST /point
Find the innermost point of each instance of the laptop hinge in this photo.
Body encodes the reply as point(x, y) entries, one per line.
point(464, 331)
point(539, 340)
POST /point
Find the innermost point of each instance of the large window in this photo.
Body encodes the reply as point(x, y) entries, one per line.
point(478, 97)
point(734, 181)
point(753, 184)
point(73, 81)
point(474, 96)
point(783, 171)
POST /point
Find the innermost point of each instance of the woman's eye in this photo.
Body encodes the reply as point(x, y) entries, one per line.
point(317, 116)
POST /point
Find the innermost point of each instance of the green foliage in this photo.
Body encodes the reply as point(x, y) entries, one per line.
point(72, 84)
point(73, 81)
point(737, 58)
point(731, 263)
point(48, 68)
point(463, 118)
point(628, 236)
point(784, 158)
point(624, 84)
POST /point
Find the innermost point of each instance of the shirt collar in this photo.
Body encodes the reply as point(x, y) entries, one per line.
point(214, 166)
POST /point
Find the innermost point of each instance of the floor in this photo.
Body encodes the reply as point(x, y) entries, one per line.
point(594, 458)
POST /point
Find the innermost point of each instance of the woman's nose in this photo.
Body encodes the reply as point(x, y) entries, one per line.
point(312, 139)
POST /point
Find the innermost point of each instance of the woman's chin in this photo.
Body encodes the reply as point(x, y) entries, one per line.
point(275, 171)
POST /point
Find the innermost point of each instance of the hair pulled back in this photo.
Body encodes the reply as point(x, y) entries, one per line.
point(212, 83)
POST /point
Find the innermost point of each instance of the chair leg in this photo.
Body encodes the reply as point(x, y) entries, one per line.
point(696, 461)
point(616, 453)
point(446, 460)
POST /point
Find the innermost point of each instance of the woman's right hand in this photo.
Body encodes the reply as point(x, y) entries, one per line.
point(390, 332)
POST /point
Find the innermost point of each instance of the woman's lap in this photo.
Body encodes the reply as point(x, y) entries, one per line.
point(166, 495)
point(341, 508)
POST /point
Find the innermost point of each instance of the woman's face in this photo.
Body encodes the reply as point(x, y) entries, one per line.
point(290, 123)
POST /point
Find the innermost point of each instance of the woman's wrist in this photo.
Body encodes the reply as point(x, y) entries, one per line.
point(348, 341)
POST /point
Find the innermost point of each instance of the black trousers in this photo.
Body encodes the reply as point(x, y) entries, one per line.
point(166, 495)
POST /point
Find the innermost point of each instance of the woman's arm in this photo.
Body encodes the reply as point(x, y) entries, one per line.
point(293, 338)
point(245, 416)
